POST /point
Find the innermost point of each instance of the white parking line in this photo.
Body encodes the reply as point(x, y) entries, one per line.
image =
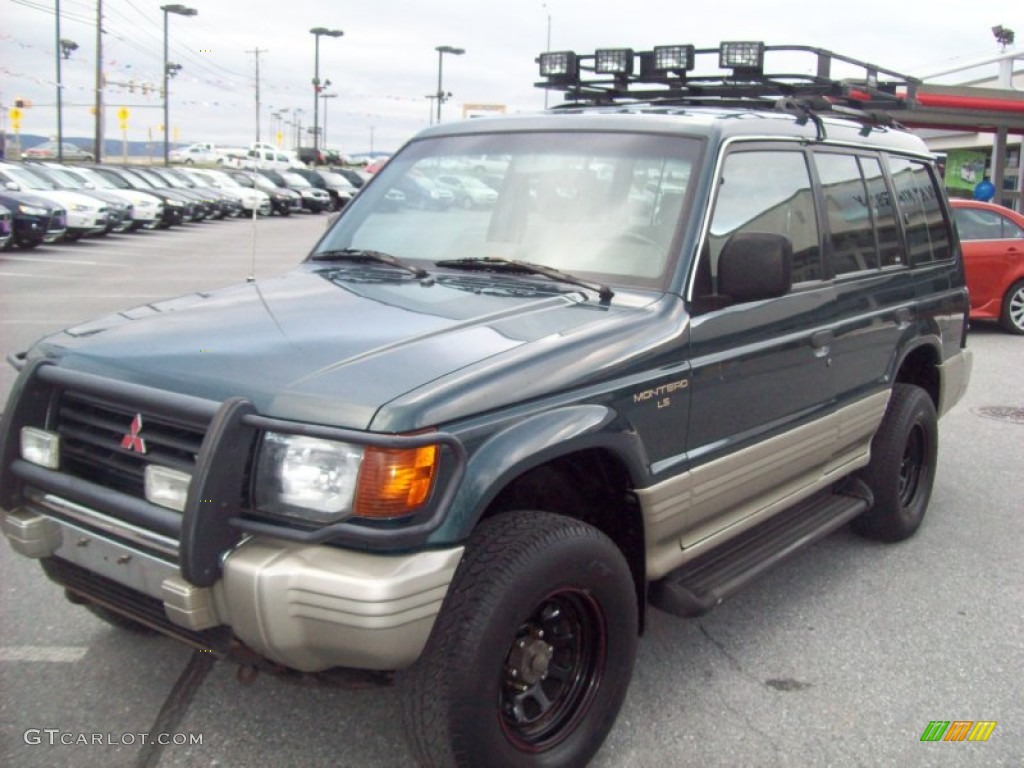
point(54, 260)
point(42, 277)
point(58, 653)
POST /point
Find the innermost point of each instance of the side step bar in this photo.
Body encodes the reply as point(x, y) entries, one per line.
point(700, 585)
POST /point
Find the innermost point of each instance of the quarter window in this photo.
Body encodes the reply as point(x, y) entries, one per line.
point(918, 201)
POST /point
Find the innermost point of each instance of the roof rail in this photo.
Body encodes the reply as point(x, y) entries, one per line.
point(666, 75)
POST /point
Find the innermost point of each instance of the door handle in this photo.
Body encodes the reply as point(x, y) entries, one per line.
point(903, 317)
point(822, 339)
point(821, 342)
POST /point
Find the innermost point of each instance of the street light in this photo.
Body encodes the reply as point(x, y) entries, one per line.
point(324, 97)
point(441, 51)
point(64, 49)
point(317, 33)
point(170, 70)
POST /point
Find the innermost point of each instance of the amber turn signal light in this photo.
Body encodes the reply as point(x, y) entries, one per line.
point(395, 482)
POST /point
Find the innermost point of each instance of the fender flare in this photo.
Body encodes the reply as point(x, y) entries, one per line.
point(534, 441)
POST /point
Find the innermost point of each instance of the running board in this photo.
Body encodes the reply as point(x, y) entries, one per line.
point(700, 585)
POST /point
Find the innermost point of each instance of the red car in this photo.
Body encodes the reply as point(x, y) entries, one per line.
point(993, 245)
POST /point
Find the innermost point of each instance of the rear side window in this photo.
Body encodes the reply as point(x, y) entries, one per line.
point(978, 224)
point(917, 200)
point(847, 206)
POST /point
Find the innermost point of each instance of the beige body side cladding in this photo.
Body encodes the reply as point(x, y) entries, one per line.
point(697, 510)
point(954, 375)
point(309, 607)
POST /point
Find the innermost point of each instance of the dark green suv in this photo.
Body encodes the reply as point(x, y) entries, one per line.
point(474, 444)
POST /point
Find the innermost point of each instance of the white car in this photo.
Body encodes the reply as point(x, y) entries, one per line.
point(85, 215)
point(249, 199)
point(148, 210)
point(194, 153)
point(274, 160)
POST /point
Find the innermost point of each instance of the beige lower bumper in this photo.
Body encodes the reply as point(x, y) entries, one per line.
point(307, 607)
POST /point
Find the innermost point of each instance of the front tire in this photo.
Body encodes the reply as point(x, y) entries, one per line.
point(531, 655)
point(902, 468)
point(1012, 315)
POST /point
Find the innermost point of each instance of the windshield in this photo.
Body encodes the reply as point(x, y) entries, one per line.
point(600, 204)
point(27, 180)
point(294, 180)
point(62, 179)
point(89, 176)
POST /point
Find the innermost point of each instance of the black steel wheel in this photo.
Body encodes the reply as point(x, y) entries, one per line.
point(902, 468)
point(531, 655)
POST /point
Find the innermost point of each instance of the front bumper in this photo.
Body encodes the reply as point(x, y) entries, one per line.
point(308, 607)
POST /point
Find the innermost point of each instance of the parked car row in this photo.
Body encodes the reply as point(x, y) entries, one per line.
point(45, 202)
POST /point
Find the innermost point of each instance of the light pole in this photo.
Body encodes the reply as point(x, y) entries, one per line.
point(180, 10)
point(324, 97)
point(64, 49)
point(317, 33)
point(441, 51)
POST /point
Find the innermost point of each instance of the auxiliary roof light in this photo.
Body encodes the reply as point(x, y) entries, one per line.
point(673, 58)
point(613, 61)
point(742, 57)
point(559, 64)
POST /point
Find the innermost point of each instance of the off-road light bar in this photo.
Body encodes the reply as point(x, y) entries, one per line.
point(559, 64)
point(613, 61)
point(745, 57)
point(673, 58)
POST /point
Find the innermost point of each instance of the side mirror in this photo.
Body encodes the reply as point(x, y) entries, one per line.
point(755, 266)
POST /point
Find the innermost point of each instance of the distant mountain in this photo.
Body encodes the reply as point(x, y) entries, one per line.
point(112, 148)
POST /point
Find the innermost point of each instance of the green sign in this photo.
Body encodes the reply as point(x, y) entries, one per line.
point(965, 168)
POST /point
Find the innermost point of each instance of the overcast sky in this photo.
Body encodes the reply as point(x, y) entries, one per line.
point(385, 64)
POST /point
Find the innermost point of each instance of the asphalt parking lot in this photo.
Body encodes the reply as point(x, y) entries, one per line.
point(840, 657)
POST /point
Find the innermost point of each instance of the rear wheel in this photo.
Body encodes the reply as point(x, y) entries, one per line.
point(902, 467)
point(531, 655)
point(1012, 316)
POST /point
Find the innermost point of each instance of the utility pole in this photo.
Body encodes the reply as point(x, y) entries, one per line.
point(257, 52)
point(97, 149)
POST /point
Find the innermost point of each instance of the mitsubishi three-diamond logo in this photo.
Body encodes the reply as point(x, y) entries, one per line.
point(132, 441)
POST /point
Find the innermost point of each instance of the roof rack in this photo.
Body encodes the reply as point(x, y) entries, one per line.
point(665, 76)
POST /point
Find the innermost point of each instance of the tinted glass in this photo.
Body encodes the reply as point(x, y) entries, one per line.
point(918, 202)
point(850, 224)
point(890, 247)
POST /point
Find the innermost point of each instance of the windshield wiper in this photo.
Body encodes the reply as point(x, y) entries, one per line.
point(360, 254)
point(514, 265)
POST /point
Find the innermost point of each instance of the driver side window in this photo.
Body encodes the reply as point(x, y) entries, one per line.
point(761, 191)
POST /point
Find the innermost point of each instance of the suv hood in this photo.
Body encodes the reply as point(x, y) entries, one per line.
point(334, 344)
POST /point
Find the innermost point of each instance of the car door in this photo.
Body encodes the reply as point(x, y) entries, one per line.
point(993, 248)
point(761, 388)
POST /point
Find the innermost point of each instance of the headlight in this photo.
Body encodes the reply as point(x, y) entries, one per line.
point(174, 204)
point(31, 210)
point(325, 481)
point(306, 477)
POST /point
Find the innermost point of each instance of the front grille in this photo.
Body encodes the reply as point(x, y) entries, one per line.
point(126, 601)
point(111, 445)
